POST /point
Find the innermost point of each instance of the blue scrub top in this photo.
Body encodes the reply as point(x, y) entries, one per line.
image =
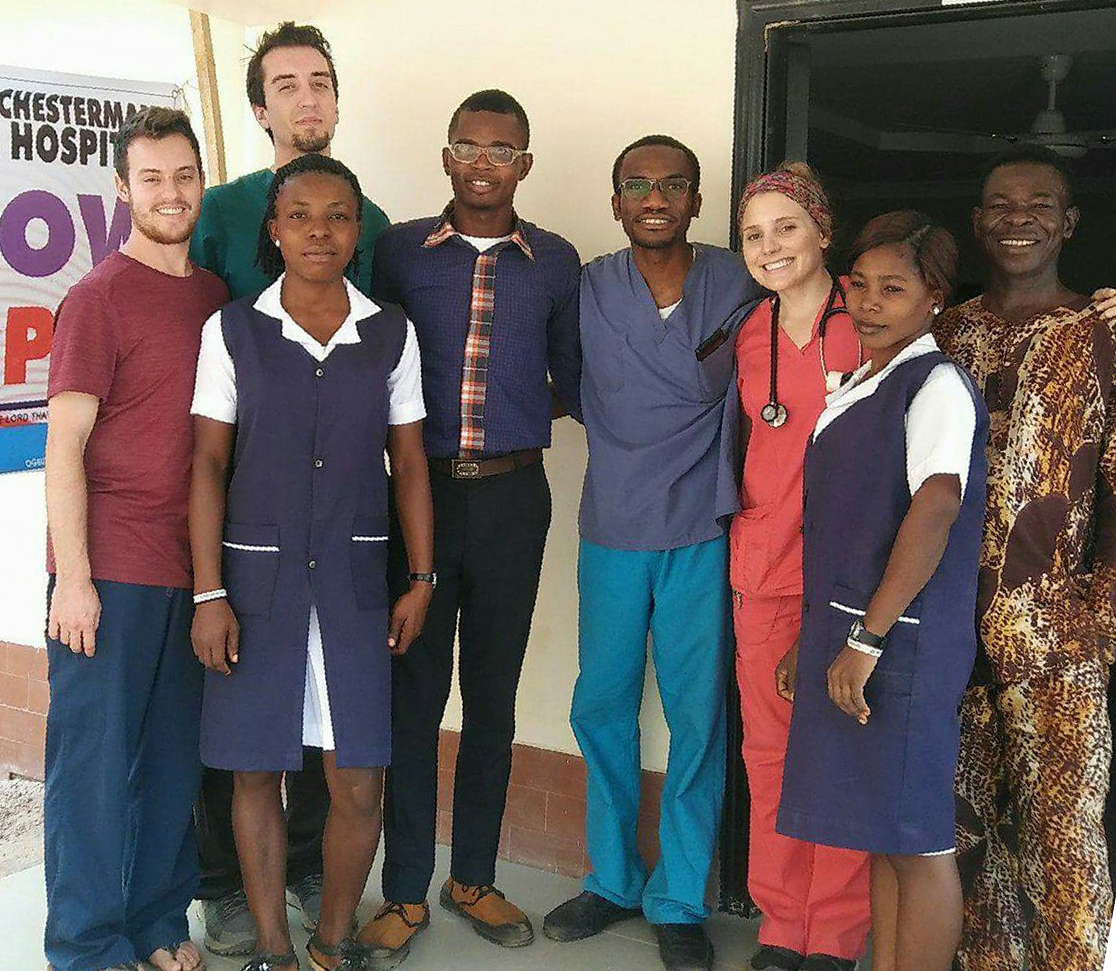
point(663, 456)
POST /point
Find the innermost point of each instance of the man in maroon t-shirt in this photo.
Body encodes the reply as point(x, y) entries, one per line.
point(122, 765)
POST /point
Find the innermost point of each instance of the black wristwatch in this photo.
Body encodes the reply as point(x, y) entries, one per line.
point(431, 578)
point(859, 634)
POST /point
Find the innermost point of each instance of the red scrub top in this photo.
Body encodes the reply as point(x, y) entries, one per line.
point(766, 538)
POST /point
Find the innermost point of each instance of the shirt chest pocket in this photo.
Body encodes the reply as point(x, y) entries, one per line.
point(714, 356)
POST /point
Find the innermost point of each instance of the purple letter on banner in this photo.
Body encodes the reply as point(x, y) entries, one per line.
point(102, 241)
point(37, 204)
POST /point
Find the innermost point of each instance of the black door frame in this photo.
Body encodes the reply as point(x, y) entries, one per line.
point(755, 18)
point(753, 132)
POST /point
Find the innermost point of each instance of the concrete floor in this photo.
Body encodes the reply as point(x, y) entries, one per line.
point(449, 944)
point(21, 825)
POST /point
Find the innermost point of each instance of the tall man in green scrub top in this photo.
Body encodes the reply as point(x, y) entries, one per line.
point(292, 87)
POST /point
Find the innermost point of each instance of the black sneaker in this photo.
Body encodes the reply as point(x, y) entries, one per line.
point(783, 958)
point(583, 916)
point(684, 947)
point(826, 962)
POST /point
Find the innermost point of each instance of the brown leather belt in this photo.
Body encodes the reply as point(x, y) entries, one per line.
point(483, 468)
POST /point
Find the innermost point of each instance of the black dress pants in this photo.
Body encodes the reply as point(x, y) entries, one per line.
point(307, 808)
point(489, 536)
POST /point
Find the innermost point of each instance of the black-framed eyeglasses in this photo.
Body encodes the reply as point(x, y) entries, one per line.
point(497, 154)
point(674, 187)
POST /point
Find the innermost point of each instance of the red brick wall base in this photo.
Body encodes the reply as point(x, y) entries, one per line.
point(23, 705)
point(544, 822)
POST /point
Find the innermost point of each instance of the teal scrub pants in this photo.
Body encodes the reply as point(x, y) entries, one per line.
point(681, 597)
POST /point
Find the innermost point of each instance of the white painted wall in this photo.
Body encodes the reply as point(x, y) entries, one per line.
point(593, 76)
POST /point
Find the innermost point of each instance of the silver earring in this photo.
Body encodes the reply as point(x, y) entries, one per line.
point(276, 242)
point(937, 310)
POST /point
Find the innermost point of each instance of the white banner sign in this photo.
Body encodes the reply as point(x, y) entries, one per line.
point(59, 217)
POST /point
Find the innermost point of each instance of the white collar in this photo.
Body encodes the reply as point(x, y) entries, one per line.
point(360, 308)
point(860, 385)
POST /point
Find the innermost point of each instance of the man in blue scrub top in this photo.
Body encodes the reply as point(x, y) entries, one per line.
point(658, 327)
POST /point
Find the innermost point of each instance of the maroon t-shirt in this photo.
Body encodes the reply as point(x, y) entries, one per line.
point(130, 334)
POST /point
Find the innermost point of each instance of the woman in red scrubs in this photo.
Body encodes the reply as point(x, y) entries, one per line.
point(814, 899)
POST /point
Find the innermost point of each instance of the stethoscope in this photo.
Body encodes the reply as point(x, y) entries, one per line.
point(774, 413)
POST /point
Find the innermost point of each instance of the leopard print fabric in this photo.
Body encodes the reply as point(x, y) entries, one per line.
point(1048, 560)
point(1031, 782)
point(1036, 743)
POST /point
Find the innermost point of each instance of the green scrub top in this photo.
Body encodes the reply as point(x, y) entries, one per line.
point(227, 233)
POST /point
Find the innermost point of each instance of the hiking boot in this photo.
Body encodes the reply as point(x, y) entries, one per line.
point(229, 927)
point(388, 936)
point(585, 915)
point(493, 917)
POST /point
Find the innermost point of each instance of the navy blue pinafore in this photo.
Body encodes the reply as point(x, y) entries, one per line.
point(885, 787)
point(306, 521)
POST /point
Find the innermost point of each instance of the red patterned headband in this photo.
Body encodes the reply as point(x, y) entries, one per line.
point(805, 191)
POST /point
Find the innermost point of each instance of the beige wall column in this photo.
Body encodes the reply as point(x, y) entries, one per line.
point(210, 100)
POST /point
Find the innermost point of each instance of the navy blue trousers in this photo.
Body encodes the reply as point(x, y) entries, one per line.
point(122, 771)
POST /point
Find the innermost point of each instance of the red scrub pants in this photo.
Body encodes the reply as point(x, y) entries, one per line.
point(814, 899)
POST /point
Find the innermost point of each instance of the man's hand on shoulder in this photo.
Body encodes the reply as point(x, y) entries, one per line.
point(75, 612)
point(1104, 300)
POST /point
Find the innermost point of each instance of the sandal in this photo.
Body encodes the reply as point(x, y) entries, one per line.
point(351, 955)
point(273, 962)
point(172, 949)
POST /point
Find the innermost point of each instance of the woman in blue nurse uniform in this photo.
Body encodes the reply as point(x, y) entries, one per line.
point(894, 505)
point(299, 391)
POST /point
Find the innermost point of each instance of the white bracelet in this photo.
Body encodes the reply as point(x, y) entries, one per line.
point(864, 648)
point(202, 598)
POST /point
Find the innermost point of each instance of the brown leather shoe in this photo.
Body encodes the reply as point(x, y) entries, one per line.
point(493, 916)
point(388, 936)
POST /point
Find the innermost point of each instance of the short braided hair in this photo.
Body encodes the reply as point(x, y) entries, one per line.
point(268, 256)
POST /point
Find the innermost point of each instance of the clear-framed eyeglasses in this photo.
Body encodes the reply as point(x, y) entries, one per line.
point(468, 153)
point(674, 187)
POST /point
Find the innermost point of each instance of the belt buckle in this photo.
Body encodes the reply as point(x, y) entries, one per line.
point(464, 469)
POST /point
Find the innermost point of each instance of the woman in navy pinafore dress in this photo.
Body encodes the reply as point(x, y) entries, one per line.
point(894, 504)
point(299, 392)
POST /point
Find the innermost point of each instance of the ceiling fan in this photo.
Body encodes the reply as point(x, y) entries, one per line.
point(1049, 126)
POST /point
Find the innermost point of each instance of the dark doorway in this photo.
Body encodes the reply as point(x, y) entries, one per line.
point(901, 104)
